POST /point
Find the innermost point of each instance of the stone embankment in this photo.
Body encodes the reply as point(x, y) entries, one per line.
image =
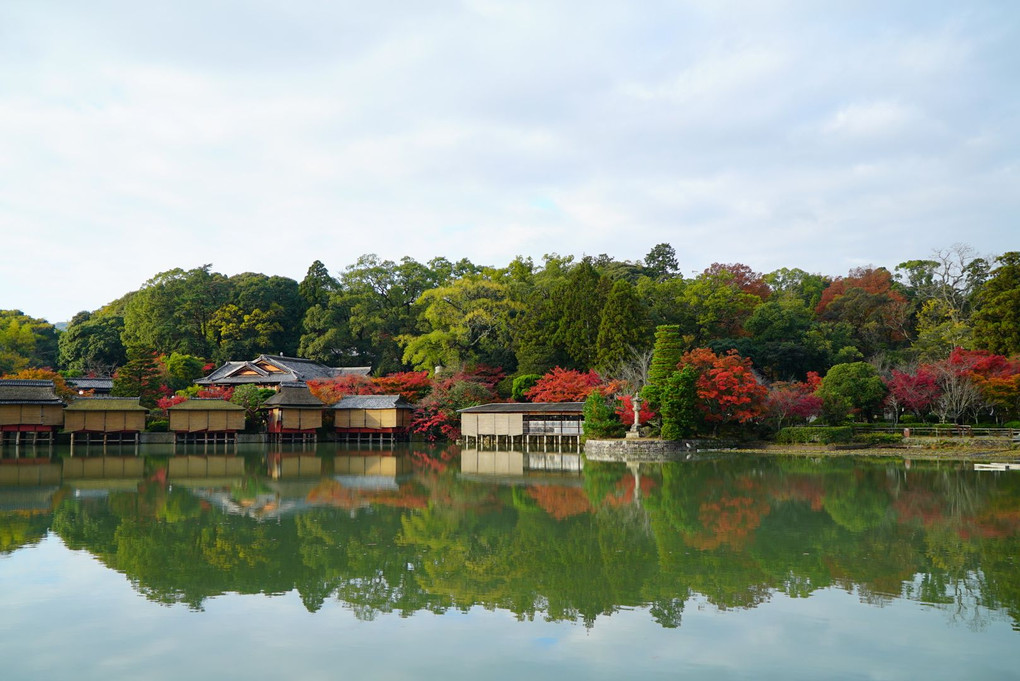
point(650, 450)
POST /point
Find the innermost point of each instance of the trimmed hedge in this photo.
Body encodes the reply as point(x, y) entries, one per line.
point(815, 434)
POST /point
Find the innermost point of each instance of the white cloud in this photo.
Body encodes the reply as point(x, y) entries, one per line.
point(777, 133)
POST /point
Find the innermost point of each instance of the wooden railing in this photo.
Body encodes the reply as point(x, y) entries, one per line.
point(944, 431)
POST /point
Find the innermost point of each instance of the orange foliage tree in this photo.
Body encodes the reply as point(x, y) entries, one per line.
point(60, 386)
point(728, 390)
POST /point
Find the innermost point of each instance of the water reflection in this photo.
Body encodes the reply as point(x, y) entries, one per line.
point(414, 529)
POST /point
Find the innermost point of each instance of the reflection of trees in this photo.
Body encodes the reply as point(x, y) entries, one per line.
point(20, 529)
point(732, 531)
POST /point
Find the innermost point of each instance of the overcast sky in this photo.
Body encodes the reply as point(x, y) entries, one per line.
point(136, 137)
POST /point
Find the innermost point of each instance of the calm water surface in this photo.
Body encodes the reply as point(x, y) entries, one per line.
point(332, 563)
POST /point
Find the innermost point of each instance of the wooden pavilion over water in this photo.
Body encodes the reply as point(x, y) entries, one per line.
point(523, 424)
point(30, 411)
point(203, 420)
point(105, 419)
point(294, 414)
point(383, 418)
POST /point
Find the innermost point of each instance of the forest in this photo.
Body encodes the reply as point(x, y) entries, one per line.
point(934, 339)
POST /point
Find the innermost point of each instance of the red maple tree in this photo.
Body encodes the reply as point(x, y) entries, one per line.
point(567, 385)
point(727, 387)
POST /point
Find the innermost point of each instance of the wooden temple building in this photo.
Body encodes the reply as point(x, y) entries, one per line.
point(372, 418)
point(109, 420)
point(272, 371)
point(206, 421)
point(294, 414)
point(537, 424)
point(30, 412)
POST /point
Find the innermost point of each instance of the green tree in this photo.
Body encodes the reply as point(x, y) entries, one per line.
point(997, 320)
point(661, 262)
point(279, 303)
point(718, 306)
point(467, 321)
point(581, 302)
point(666, 354)
point(173, 310)
point(182, 370)
point(91, 344)
point(782, 344)
point(26, 342)
point(799, 284)
point(317, 286)
point(854, 387)
point(623, 327)
point(678, 404)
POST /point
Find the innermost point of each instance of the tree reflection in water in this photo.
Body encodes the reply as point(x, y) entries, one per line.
point(562, 547)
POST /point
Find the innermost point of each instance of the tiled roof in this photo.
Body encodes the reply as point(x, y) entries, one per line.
point(293, 370)
point(106, 404)
point(91, 383)
point(373, 402)
point(351, 371)
point(20, 391)
point(206, 404)
point(297, 396)
point(526, 408)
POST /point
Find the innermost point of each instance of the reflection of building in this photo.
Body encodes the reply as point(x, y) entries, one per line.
point(203, 467)
point(293, 414)
point(29, 473)
point(539, 424)
point(104, 419)
point(372, 417)
point(290, 465)
point(272, 371)
point(517, 464)
point(206, 420)
point(29, 411)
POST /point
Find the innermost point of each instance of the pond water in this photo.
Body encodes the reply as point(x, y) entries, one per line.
point(413, 563)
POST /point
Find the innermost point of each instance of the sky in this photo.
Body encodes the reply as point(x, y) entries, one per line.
point(136, 137)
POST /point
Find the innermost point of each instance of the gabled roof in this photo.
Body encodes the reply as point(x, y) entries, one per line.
point(373, 402)
point(205, 404)
point(91, 383)
point(351, 371)
point(106, 404)
point(276, 369)
point(526, 408)
point(22, 391)
point(294, 396)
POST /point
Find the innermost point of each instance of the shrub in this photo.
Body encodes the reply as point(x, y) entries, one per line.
point(521, 385)
point(158, 426)
point(599, 417)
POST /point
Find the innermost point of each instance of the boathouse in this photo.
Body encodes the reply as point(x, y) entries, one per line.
point(272, 371)
point(204, 420)
point(523, 424)
point(385, 418)
point(30, 411)
point(104, 419)
point(294, 414)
